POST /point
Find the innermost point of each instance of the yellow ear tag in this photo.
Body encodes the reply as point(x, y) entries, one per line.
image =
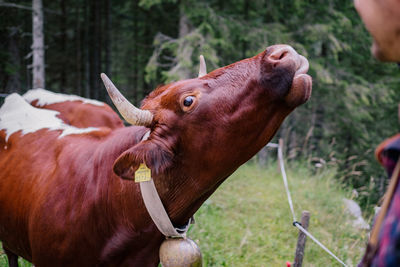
point(142, 174)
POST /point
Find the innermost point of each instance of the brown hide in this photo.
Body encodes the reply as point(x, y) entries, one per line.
point(382, 19)
point(62, 204)
point(83, 115)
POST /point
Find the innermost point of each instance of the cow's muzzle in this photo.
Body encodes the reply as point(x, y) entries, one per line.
point(285, 56)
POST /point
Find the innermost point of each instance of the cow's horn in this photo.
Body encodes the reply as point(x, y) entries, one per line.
point(131, 114)
point(203, 67)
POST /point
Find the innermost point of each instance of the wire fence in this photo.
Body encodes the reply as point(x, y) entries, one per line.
point(289, 197)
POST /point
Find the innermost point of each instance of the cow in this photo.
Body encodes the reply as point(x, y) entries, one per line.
point(62, 199)
point(74, 110)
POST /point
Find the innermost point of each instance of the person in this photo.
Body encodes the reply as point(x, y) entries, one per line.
point(382, 20)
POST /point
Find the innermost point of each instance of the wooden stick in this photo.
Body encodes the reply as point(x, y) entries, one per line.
point(301, 240)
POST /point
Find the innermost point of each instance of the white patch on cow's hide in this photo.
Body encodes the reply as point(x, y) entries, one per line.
point(18, 115)
point(45, 97)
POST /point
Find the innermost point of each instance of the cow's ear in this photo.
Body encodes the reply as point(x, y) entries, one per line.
point(157, 157)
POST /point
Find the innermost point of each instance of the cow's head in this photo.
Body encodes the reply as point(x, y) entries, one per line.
point(215, 123)
point(382, 19)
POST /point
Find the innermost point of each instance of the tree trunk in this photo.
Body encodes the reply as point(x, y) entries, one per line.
point(263, 155)
point(107, 38)
point(148, 39)
point(135, 51)
point(221, 5)
point(14, 81)
point(267, 17)
point(64, 58)
point(319, 128)
point(246, 6)
point(38, 66)
point(184, 29)
point(86, 45)
point(107, 47)
point(184, 25)
point(95, 48)
point(78, 51)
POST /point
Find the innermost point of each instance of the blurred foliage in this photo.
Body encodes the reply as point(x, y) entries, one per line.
point(354, 102)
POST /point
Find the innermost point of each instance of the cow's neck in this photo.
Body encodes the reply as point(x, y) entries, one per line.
point(182, 200)
point(183, 190)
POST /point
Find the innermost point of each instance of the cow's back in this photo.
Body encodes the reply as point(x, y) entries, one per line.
point(74, 110)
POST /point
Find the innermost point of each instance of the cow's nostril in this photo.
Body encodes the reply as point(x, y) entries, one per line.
point(278, 55)
point(283, 54)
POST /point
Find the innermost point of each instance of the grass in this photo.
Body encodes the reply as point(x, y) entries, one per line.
point(4, 261)
point(247, 221)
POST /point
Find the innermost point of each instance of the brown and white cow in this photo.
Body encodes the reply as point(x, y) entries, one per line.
point(75, 110)
point(61, 200)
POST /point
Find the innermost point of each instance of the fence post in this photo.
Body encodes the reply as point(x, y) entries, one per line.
point(301, 240)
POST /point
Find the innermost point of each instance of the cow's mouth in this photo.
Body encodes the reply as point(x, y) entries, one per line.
point(301, 88)
point(302, 65)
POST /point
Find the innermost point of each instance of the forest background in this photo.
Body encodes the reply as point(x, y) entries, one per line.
point(141, 44)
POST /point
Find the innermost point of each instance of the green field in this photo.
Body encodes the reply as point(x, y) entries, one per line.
point(247, 222)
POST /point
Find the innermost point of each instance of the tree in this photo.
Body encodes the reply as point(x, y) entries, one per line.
point(38, 63)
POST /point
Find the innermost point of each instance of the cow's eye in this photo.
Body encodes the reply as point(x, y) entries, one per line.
point(188, 101)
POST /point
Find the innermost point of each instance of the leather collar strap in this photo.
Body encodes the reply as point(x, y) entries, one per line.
point(156, 209)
